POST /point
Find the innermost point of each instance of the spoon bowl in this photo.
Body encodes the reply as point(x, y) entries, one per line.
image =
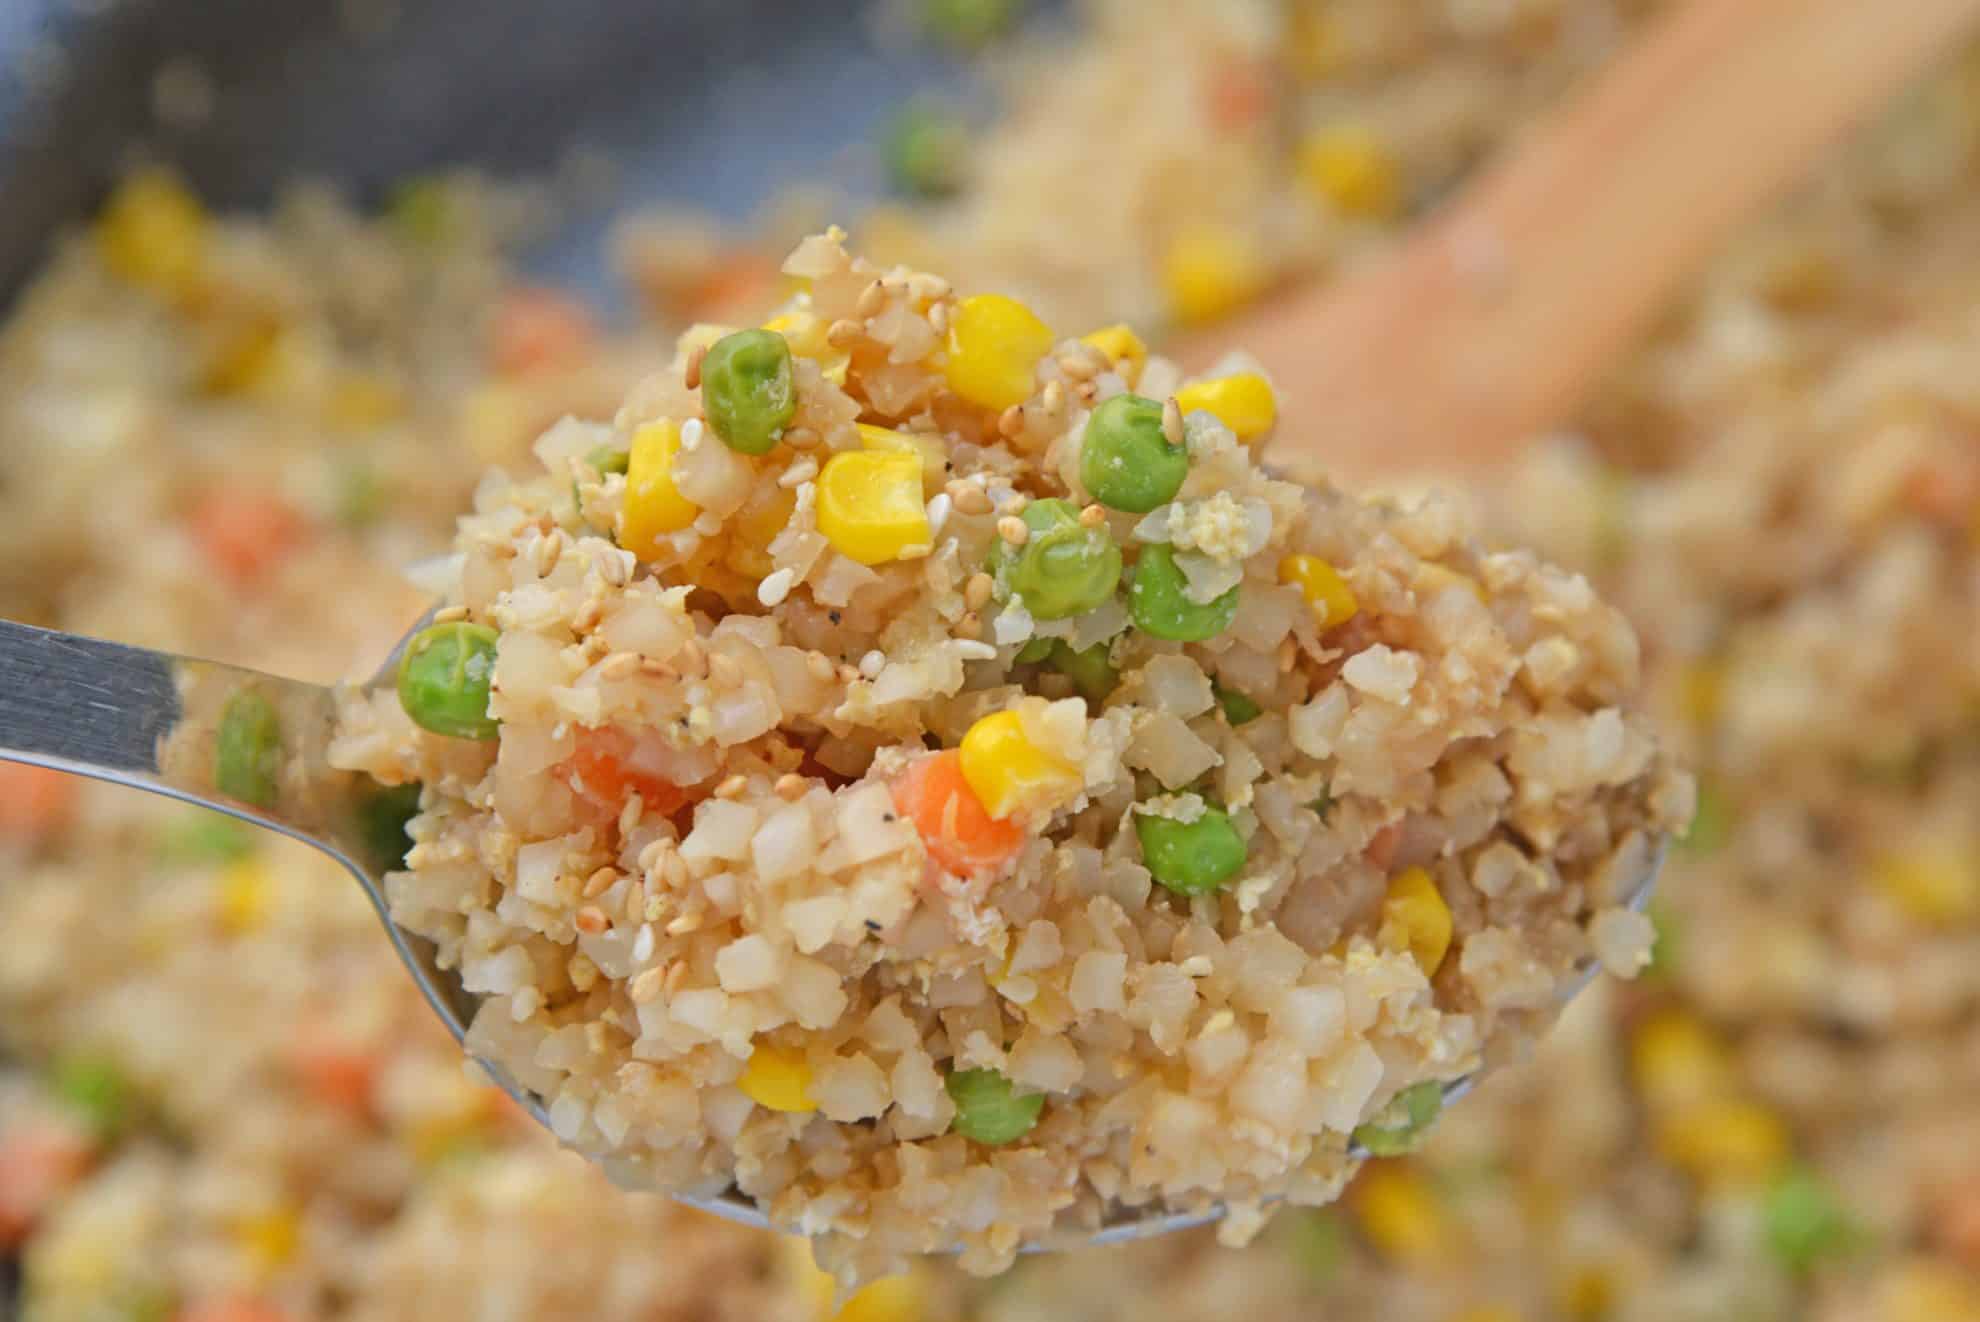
point(151, 721)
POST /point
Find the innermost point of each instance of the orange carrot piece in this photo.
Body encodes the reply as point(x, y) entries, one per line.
point(1239, 94)
point(341, 1076)
point(34, 801)
point(37, 1164)
point(540, 330)
point(605, 769)
point(958, 832)
point(230, 1308)
point(243, 534)
point(739, 282)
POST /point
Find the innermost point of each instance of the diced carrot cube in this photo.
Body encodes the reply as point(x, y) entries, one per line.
point(957, 830)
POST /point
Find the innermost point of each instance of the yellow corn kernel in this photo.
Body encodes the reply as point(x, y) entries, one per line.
point(1333, 601)
point(1415, 918)
point(1243, 402)
point(927, 446)
point(360, 400)
point(270, 1240)
point(1009, 773)
point(995, 343)
point(1588, 1292)
point(806, 333)
point(1701, 692)
point(901, 1298)
point(1313, 44)
point(243, 896)
point(777, 1078)
point(77, 1258)
point(870, 507)
point(1349, 169)
point(1123, 348)
point(1936, 887)
point(1487, 1313)
point(1399, 1213)
point(1730, 1141)
point(1210, 272)
point(153, 233)
point(1677, 1059)
point(1923, 1290)
point(654, 505)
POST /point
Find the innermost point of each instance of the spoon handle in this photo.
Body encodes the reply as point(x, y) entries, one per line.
point(153, 721)
point(1492, 323)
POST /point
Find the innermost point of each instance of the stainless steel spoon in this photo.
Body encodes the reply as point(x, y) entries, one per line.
point(149, 720)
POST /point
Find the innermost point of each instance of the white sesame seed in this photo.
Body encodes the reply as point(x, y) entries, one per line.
point(871, 663)
point(772, 590)
point(798, 473)
point(691, 433)
point(973, 651)
point(938, 511)
point(642, 949)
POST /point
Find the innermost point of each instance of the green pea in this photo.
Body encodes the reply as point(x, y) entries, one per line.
point(1191, 858)
point(1064, 568)
point(424, 210)
point(989, 1108)
point(95, 1089)
point(1712, 825)
point(1126, 460)
point(205, 837)
point(1237, 708)
point(924, 151)
point(360, 496)
point(1091, 671)
point(747, 390)
point(603, 460)
point(1157, 601)
point(1035, 651)
point(1805, 1222)
point(1319, 1244)
point(1403, 1122)
point(380, 818)
point(444, 679)
point(247, 760)
point(969, 24)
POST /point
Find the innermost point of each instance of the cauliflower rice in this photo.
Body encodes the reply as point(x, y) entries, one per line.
point(694, 846)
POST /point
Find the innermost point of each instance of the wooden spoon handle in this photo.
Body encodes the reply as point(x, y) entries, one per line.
point(1494, 321)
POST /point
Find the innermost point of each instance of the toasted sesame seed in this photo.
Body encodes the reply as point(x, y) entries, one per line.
point(848, 674)
point(791, 786)
point(1092, 516)
point(976, 592)
point(581, 971)
point(676, 975)
point(872, 663)
point(1172, 421)
point(773, 589)
point(693, 659)
point(820, 666)
point(731, 788)
point(1054, 397)
point(969, 626)
point(591, 920)
point(1078, 366)
point(448, 614)
point(687, 922)
point(653, 665)
point(1013, 530)
point(798, 473)
point(969, 497)
point(599, 882)
point(800, 438)
point(1011, 421)
point(843, 334)
point(618, 665)
point(692, 373)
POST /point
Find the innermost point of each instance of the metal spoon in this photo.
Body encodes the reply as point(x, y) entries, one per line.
point(149, 719)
